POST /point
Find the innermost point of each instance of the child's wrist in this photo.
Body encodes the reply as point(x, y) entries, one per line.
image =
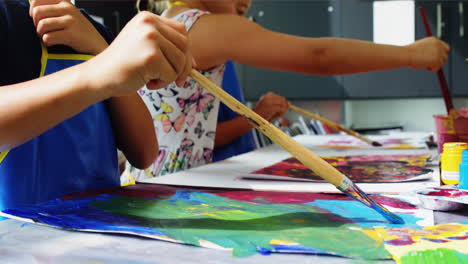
point(95, 80)
point(408, 54)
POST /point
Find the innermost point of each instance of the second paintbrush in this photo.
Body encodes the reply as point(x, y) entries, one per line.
point(335, 126)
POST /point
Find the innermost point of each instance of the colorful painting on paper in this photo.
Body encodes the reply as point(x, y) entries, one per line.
point(360, 169)
point(446, 193)
point(242, 221)
point(447, 243)
point(389, 143)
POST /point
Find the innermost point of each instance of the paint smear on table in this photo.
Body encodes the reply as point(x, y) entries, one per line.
point(242, 221)
point(446, 193)
point(360, 169)
point(447, 243)
point(388, 143)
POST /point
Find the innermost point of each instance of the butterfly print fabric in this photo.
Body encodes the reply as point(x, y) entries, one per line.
point(184, 118)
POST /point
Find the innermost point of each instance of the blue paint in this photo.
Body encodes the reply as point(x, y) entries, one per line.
point(53, 213)
point(301, 249)
point(264, 251)
point(352, 190)
point(359, 213)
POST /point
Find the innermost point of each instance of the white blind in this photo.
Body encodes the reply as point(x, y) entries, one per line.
point(394, 22)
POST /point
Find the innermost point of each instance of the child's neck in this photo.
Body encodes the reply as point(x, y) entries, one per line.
point(174, 10)
point(177, 7)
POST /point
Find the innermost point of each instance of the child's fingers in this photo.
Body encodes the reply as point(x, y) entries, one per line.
point(179, 39)
point(188, 68)
point(165, 72)
point(49, 25)
point(156, 84)
point(173, 54)
point(178, 26)
point(446, 46)
point(56, 38)
point(43, 12)
point(36, 3)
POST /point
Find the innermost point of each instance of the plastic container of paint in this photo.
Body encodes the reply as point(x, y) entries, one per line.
point(445, 130)
point(464, 171)
point(461, 128)
point(450, 162)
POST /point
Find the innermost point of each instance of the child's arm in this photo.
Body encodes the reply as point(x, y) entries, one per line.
point(60, 22)
point(147, 51)
point(216, 38)
point(133, 129)
point(270, 106)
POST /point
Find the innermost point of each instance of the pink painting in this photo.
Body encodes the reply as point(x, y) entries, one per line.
point(360, 169)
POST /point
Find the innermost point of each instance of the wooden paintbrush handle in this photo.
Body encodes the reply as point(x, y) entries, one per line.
point(309, 159)
point(440, 73)
point(329, 123)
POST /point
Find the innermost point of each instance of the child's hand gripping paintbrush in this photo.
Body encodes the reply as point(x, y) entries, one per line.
point(311, 160)
point(451, 111)
point(335, 126)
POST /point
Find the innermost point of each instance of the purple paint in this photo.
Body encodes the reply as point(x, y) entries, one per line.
point(435, 240)
point(400, 241)
point(446, 192)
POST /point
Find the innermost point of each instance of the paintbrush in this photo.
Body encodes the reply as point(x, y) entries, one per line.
point(309, 159)
point(334, 125)
point(451, 111)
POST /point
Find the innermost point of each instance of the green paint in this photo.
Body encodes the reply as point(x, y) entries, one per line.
point(438, 256)
point(246, 226)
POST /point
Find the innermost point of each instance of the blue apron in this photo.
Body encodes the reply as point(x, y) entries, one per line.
point(76, 155)
point(244, 143)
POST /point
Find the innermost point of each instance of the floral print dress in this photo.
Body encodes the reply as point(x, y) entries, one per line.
point(185, 119)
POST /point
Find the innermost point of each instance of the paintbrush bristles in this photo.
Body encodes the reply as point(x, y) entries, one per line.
point(309, 159)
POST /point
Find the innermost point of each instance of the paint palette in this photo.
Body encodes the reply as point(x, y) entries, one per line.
point(444, 198)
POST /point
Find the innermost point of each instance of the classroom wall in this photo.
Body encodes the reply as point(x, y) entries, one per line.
point(413, 114)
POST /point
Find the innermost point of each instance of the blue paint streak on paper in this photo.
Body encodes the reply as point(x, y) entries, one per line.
point(359, 213)
point(81, 218)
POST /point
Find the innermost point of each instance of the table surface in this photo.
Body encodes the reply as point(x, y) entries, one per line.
point(29, 243)
point(227, 173)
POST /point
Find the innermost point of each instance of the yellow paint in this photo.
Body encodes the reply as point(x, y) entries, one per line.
point(131, 181)
point(177, 3)
point(420, 239)
point(403, 146)
point(82, 57)
point(148, 173)
point(3, 155)
point(450, 162)
point(372, 234)
point(282, 242)
point(449, 125)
